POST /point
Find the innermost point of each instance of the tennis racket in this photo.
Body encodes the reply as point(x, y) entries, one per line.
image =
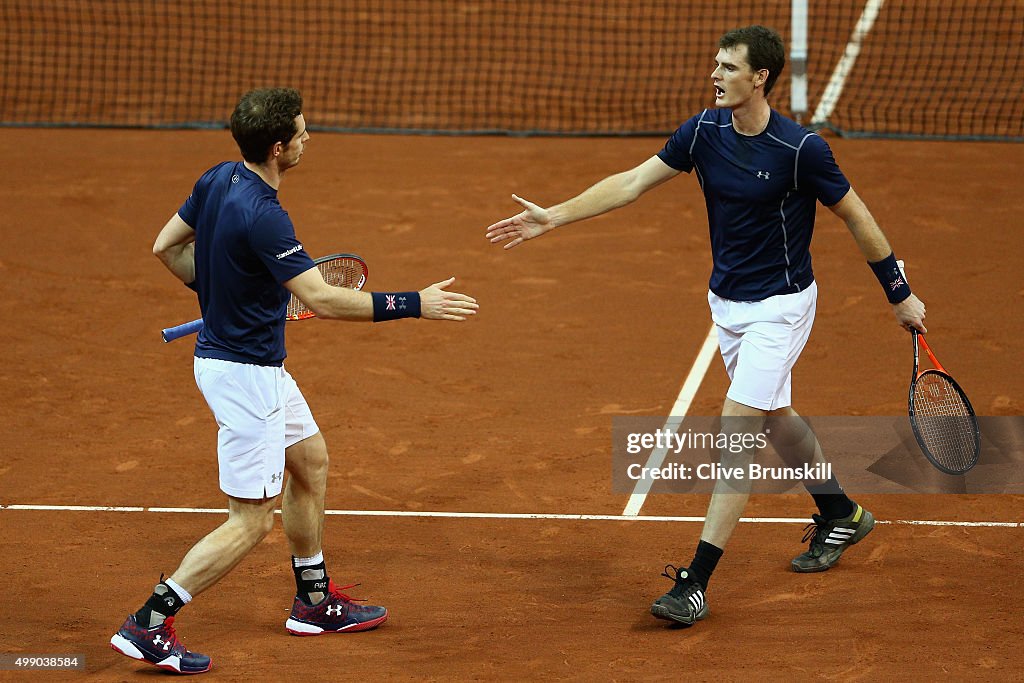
point(941, 415)
point(339, 270)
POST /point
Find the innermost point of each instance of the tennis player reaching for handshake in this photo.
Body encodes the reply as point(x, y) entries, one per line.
point(761, 175)
point(236, 247)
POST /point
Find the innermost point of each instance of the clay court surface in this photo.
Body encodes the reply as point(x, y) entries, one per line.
point(508, 413)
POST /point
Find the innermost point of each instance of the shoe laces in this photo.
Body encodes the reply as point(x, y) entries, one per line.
point(814, 531)
point(336, 591)
point(172, 635)
point(684, 586)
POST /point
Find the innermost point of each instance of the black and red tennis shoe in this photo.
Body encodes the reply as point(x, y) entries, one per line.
point(336, 613)
point(159, 646)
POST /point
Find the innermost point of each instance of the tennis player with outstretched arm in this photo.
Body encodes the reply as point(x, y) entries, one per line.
point(762, 175)
point(236, 247)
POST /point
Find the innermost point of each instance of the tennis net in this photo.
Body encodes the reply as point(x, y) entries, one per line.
point(918, 68)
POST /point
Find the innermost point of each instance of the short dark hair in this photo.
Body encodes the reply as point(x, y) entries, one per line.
point(263, 117)
point(765, 50)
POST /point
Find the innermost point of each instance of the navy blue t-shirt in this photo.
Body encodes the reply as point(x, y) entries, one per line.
point(245, 248)
point(760, 193)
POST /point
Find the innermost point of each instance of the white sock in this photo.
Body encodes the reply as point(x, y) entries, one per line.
point(308, 561)
point(179, 591)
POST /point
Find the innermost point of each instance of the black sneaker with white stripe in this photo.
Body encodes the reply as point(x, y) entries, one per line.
point(685, 603)
point(830, 537)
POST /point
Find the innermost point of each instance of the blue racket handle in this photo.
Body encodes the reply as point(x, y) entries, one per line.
point(172, 333)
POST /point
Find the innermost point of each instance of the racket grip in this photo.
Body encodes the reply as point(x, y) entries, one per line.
point(172, 333)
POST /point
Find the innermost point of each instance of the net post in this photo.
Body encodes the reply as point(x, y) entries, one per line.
point(798, 59)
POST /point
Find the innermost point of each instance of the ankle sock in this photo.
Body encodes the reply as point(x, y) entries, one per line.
point(704, 562)
point(167, 598)
point(310, 576)
point(832, 501)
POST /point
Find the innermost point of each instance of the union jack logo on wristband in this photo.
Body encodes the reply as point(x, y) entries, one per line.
point(896, 284)
point(391, 301)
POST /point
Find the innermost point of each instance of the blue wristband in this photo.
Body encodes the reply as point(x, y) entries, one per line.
point(395, 305)
point(889, 276)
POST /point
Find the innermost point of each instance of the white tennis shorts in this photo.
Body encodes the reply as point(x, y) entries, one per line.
point(260, 412)
point(760, 342)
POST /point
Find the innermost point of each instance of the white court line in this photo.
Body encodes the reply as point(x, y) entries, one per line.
point(845, 65)
point(679, 409)
point(74, 508)
point(494, 515)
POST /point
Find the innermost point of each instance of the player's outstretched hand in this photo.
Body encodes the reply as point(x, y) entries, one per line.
point(532, 222)
point(910, 314)
point(437, 304)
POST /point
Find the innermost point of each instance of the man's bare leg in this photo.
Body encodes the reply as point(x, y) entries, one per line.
point(302, 510)
point(685, 603)
point(315, 609)
point(730, 498)
point(209, 560)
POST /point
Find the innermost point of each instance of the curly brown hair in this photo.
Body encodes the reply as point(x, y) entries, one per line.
point(264, 117)
point(765, 50)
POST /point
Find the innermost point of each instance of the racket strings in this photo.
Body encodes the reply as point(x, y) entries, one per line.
point(296, 309)
point(337, 272)
point(342, 272)
point(945, 421)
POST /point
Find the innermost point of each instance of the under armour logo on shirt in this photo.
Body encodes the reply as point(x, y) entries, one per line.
point(763, 175)
point(288, 252)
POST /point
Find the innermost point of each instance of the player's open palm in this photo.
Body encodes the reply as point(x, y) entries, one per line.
point(438, 304)
point(532, 222)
